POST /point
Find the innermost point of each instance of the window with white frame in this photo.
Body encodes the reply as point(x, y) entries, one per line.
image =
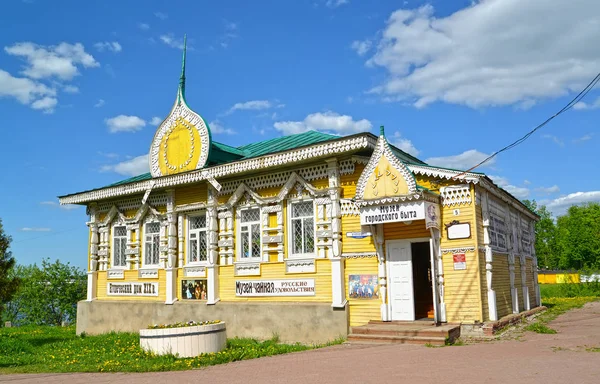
point(302, 228)
point(197, 243)
point(151, 243)
point(119, 245)
point(497, 231)
point(249, 234)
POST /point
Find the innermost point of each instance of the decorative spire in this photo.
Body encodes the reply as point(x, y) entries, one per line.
point(181, 92)
point(381, 131)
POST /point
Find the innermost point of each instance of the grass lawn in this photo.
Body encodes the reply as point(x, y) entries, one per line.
point(57, 349)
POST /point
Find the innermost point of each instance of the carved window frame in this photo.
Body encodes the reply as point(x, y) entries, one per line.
point(238, 234)
point(113, 247)
point(290, 234)
point(154, 235)
point(197, 232)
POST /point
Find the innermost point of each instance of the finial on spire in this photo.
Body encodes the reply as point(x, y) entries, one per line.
point(381, 131)
point(181, 92)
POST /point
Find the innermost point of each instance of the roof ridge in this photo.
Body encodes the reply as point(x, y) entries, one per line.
point(306, 133)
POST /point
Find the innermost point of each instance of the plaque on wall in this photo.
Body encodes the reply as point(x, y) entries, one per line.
point(457, 230)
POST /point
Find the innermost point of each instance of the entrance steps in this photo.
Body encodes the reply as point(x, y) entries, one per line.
point(399, 332)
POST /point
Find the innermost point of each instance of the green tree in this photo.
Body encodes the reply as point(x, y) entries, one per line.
point(545, 236)
point(578, 237)
point(8, 281)
point(48, 295)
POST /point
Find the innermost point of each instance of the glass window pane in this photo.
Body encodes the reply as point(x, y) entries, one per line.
point(249, 215)
point(198, 222)
point(153, 227)
point(202, 244)
point(255, 240)
point(309, 235)
point(302, 209)
point(297, 236)
point(193, 249)
point(245, 249)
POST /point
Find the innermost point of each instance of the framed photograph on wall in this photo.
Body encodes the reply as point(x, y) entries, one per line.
point(194, 289)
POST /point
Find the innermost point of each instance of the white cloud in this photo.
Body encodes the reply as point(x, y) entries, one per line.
point(60, 61)
point(172, 42)
point(404, 144)
point(490, 53)
point(255, 105)
point(560, 205)
point(217, 127)
point(25, 91)
point(132, 167)
point(327, 122)
point(124, 123)
point(55, 204)
point(555, 139)
point(70, 89)
point(462, 161)
point(526, 182)
point(46, 104)
point(112, 46)
point(99, 103)
point(583, 138)
point(361, 47)
point(29, 229)
point(143, 26)
point(518, 192)
point(583, 105)
point(548, 190)
point(155, 121)
point(336, 3)
point(161, 15)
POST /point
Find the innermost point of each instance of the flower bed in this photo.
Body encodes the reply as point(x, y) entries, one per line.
point(184, 339)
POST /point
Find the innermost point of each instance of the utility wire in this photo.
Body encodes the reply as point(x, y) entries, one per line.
point(46, 235)
point(570, 105)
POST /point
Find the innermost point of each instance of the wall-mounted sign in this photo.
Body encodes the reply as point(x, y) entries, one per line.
point(391, 213)
point(458, 230)
point(432, 216)
point(288, 287)
point(363, 287)
point(194, 289)
point(358, 235)
point(132, 289)
point(460, 261)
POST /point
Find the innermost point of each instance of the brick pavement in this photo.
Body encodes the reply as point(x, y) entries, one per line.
point(560, 358)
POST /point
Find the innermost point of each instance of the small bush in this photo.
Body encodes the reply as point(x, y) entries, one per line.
point(538, 327)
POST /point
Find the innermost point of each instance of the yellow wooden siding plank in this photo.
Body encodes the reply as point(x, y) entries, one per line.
point(361, 311)
point(501, 285)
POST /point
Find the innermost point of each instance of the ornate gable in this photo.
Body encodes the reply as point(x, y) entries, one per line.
point(385, 175)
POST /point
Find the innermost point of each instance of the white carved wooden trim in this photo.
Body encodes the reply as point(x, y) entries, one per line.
point(247, 269)
point(349, 208)
point(458, 250)
point(355, 255)
point(300, 266)
point(456, 195)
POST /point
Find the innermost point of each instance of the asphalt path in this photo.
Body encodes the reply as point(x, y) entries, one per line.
point(532, 358)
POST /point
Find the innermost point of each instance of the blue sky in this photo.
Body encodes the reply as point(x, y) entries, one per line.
point(83, 84)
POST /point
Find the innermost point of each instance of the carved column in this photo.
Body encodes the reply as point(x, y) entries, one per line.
point(281, 243)
point(377, 231)
point(212, 234)
point(439, 271)
point(491, 294)
point(511, 261)
point(334, 215)
point(103, 248)
point(92, 274)
point(180, 238)
point(171, 264)
point(264, 233)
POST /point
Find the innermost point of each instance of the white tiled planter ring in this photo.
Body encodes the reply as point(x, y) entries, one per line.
point(184, 341)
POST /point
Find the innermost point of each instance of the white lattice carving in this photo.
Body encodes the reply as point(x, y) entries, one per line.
point(159, 200)
point(349, 208)
point(148, 273)
point(300, 266)
point(247, 269)
point(456, 195)
point(331, 148)
point(458, 250)
point(355, 255)
point(115, 274)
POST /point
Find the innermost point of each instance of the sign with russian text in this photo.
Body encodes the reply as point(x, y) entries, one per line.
point(288, 287)
point(460, 261)
point(132, 289)
point(391, 213)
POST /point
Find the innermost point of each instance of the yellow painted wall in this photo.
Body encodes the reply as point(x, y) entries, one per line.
point(361, 311)
point(322, 278)
point(131, 276)
point(462, 296)
point(416, 229)
point(501, 285)
point(558, 278)
point(197, 193)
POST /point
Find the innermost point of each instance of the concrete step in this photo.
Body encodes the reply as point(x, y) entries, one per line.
point(386, 339)
point(394, 330)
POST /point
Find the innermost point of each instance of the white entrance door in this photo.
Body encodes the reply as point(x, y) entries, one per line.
point(400, 280)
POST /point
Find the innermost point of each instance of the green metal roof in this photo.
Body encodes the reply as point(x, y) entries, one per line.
point(222, 153)
point(284, 143)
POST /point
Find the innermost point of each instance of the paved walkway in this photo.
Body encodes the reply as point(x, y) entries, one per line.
point(560, 358)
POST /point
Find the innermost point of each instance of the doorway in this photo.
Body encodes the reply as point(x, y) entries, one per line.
point(409, 279)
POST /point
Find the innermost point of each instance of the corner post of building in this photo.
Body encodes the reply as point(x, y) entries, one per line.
point(212, 268)
point(337, 262)
point(92, 273)
point(536, 285)
point(438, 264)
point(171, 267)
point(180, 240)
point(526, 303)
point(511, 264)
point(489, 258)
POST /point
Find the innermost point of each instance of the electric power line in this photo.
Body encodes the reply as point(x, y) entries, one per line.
point(570, 105)
point(46, 235)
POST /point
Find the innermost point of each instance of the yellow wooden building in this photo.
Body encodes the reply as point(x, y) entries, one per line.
point(300, 236)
